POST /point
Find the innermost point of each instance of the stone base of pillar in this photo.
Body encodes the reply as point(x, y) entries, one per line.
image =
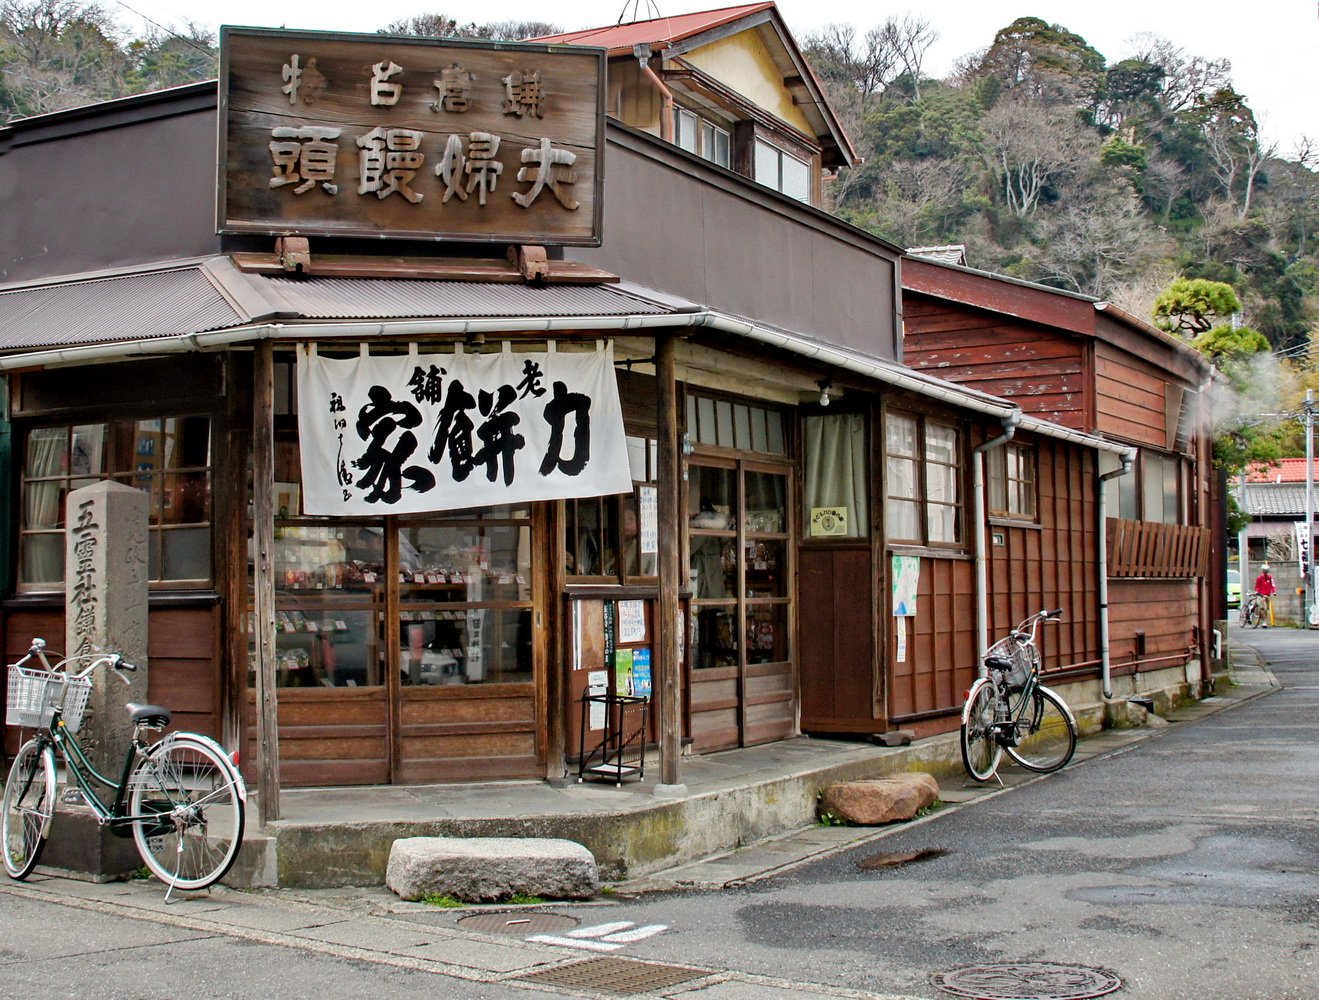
point(80, 848)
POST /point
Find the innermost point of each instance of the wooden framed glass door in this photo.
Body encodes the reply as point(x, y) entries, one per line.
point(743, 681)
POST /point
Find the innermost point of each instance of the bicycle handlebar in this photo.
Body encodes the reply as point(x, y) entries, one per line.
point(116, 662)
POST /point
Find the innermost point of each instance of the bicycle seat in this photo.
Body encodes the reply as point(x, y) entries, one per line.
point(998, 663)
point(148, 715)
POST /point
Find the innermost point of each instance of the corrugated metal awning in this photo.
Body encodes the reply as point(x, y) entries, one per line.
point(400, 298)
point(138, 306)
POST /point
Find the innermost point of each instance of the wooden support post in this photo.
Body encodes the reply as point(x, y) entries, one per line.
point(263, 605)
point(668, 666)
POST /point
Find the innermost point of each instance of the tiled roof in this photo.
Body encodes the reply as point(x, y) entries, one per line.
point(621, 37)
point(1285, 470)
point(1275, 499)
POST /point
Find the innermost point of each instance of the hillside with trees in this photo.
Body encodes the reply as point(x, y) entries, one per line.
point(1053, 164)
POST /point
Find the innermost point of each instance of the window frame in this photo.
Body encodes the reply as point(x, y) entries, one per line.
point(1007, 494)
point(120, 438)
point(780, 155)
point(922, 462)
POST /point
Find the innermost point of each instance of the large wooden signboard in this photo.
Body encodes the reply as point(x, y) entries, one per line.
point(402, 137)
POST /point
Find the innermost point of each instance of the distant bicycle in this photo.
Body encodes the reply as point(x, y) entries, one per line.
point(1009, 709)
point(1254, 611)
point(181, 799)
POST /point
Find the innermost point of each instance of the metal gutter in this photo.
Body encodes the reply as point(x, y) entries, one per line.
point(1010, 424)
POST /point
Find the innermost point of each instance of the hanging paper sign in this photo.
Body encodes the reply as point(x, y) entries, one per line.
point(412, 433)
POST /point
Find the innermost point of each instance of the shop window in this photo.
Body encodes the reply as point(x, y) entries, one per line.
point(613, 539)
point(837, 485)
point(464, 600)
point(922, 461)
point(782, 171)
point(1010, 469)
point(168, 458)
point(724, 423)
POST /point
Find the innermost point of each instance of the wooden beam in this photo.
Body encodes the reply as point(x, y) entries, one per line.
point(263, 610)
point(668, 659)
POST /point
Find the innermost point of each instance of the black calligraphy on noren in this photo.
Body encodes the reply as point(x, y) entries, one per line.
point(385, 424)
point(562, 404)
point(499, 443)
point(453, 432)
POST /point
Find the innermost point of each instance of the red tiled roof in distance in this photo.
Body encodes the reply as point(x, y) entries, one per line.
point(1284, 470)
point(619, 38)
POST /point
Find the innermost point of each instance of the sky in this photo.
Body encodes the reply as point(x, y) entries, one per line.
point(1272, 44)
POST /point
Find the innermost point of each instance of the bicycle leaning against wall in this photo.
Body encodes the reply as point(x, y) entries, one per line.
point(180, 798)
point(1009, 709)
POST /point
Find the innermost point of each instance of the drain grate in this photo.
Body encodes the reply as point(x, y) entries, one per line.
point(619, 977)
point(1027, 981)
point(517, 924)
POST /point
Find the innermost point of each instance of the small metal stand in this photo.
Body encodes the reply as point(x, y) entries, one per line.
point(624, 734)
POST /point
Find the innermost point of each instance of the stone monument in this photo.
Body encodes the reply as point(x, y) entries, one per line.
point(106, 602)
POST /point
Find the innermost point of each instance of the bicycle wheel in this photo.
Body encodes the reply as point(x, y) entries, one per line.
point(1050, 740)
point(1243, 616)
point(186, 809)
point(29, 804)
point(980, 751)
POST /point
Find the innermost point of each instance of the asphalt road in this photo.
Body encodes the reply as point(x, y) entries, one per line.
point(1186, 864)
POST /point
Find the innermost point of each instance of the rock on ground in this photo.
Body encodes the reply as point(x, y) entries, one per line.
point(484, 869)
point(876, 801)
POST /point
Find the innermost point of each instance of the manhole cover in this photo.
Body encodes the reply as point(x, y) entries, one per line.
point(1027, 981)
point(517, 923)
point(887, 860)
point(618, 977)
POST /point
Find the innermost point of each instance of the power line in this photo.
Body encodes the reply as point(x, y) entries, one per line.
point(169, 31)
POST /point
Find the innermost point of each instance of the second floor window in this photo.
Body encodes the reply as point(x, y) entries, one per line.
point(704, 138)
point(782, 171)
point(923, 463)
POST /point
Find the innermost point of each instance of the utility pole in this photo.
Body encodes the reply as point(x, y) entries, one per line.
point(1308, 609)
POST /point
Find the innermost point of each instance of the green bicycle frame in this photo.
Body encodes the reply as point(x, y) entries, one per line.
point(84, 774)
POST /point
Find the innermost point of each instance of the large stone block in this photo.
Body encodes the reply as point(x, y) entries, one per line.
point(484, 869)
point(877, 801)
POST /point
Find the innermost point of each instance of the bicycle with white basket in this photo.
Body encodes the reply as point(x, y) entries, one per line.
point(180, 798)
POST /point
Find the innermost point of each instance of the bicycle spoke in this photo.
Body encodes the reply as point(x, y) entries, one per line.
point(187, 813)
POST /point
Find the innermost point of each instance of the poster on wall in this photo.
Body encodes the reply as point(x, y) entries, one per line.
point(631, 621)
point(414, 433)
point(906, 583)
point(641, 682)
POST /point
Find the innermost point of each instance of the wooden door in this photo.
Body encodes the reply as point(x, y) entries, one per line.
point(839, 687)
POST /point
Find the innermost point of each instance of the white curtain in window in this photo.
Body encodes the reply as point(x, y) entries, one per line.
point(43, 560)
point(836, 469)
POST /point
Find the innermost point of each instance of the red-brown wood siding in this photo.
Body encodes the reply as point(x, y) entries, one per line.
point(1051, 563)
point(1131, 397)
point(1041, 370)
point(1165, 611)
point(940, 659)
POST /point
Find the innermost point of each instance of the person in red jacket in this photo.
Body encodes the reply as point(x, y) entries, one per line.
point(1266, 588)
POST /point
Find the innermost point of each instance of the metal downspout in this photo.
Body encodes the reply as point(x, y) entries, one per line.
point(1105, 654)
point(643, 51)
point(1010, 422)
